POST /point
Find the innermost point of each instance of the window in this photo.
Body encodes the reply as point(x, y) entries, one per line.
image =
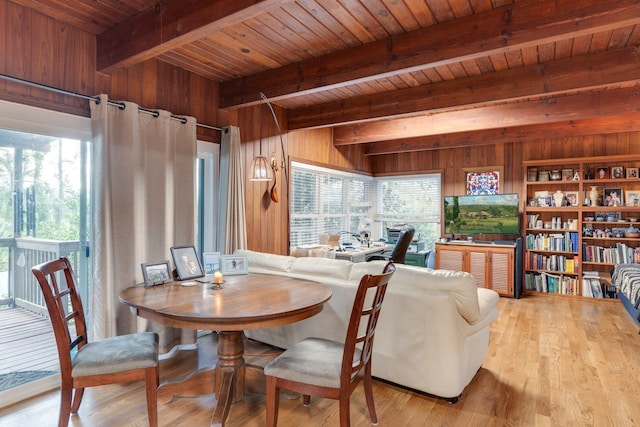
point(326, 201)
point(207, 174)
point(414, 200)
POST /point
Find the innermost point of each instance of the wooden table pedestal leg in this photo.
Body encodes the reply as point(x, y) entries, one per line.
point(229, 380)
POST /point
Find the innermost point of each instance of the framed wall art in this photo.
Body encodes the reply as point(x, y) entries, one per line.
point(186, 261)
point(483, 182)
point(156, 273)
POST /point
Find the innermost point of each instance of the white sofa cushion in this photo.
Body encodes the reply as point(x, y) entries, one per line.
point(322, 267)
point(462, 285)
point(265, 261)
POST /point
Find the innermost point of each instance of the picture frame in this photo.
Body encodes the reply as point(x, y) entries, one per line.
point(602, 172)
point(156, 273)
point(485, 181)
point(617, 172)
point(234, 264)
point(572, 197)
point(613, 197)
point(633, 198)
point(187, 262)
point(211, 262)
point(632, 173)
point(567, 174)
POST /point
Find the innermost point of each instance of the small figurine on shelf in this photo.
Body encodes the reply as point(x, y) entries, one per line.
point(558, 199)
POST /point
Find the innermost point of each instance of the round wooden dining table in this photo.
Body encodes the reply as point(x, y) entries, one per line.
point(250, 301)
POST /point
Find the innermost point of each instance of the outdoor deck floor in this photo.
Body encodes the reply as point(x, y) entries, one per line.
point(27, 343)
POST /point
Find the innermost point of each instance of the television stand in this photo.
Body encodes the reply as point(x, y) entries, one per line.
point(491, 264)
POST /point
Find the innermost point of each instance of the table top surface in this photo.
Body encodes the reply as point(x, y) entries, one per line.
point(248, 301)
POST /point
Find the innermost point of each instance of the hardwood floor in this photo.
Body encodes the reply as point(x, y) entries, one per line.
point(552, 361)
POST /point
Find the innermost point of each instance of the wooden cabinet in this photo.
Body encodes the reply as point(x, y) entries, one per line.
point(577, 216)
point(491, 265)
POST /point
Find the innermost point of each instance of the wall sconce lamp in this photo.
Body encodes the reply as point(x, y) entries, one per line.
point(260, 169)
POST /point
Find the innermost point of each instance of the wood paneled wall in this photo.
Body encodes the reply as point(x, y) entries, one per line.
point(39, 49)
point(42, 50)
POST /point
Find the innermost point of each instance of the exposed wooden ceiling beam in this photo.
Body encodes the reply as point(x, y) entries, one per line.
point(596, 126)
point(620, 67)
point(499, 30)
point(544, 111)
point(168, 25)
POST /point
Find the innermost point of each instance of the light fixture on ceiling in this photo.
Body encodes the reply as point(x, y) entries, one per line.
point(260, 169)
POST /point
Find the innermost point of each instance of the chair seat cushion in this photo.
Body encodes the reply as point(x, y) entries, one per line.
point(117, 354)
point(314, 361)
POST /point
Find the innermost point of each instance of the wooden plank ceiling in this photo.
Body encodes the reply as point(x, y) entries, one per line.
point(397, 75)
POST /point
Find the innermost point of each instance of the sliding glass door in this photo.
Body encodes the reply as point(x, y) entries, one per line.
point(44, 214)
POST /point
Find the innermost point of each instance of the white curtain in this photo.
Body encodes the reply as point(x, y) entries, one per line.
point(236, 224)
point(143, 204)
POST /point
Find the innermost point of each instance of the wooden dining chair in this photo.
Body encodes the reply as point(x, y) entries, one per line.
point(330, 369)
point(84, 364)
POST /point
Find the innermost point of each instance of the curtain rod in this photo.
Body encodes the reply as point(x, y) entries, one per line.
point(96, 99)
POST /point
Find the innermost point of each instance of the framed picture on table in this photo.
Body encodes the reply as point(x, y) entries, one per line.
point(186, 261)
point(234, 264)
point(156, 273)
point(211, 262)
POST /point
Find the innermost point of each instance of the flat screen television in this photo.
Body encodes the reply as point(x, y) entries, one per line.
point(487, 214)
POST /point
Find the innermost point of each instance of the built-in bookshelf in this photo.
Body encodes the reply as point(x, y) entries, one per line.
point(581, 219)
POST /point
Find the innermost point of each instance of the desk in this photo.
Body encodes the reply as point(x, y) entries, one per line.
point(358, 255)
point(250, 301)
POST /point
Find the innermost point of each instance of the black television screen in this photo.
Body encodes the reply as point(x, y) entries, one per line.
point(488, 214)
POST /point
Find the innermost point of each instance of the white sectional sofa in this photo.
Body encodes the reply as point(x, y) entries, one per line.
point(433, 331)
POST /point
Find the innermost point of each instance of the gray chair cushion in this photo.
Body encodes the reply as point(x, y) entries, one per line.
point(117, 354)
point(314, 361)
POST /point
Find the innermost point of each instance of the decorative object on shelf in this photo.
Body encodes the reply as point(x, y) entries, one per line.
point(543, 176)
point(593, 195)
point(632, 173)
point(532, 174)
point(633, 198)
point(558, 199)
point(485, 182)
point(632, 232)
point(588, 174)
point(613, 197)
point(555, 175)
point(572, 198)
point(617, 172)
point(567, 174)
point(576, 176)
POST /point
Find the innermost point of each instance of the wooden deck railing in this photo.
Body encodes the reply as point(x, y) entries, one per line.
point(24, 253)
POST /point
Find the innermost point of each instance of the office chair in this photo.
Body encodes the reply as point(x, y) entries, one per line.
point(397, 255)
point(330, 369)
point(84, 364)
